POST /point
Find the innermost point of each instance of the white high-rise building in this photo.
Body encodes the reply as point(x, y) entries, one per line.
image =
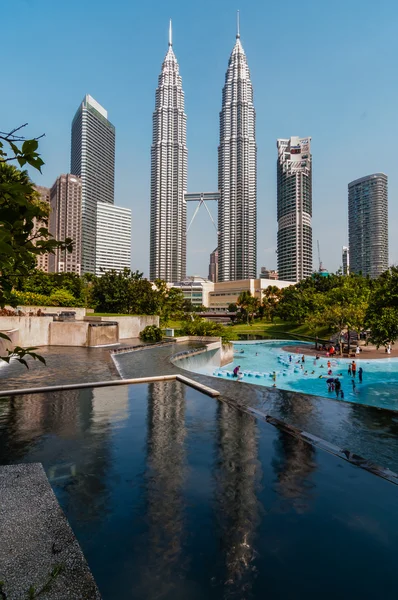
point(113, 233)
point(237, 173)
point(294, 184)
point(168, 175)
point(93, 160)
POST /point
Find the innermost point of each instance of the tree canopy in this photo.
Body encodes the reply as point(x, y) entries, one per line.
point(382, 312)
point(20, 209)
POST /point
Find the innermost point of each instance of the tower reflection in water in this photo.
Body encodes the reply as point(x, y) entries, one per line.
point(294, 463)
point(238, 474)
point(165, 474)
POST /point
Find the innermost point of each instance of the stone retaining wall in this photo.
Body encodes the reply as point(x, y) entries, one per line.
point(129, 327)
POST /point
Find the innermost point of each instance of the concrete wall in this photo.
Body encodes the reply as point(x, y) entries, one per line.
point(129, 327)
point(43, 331)
point(64, 333)
point(82, 333)
point(226, 354)
point(103, 334)
point(5, 344)
point(80, 312)
point(32, 331)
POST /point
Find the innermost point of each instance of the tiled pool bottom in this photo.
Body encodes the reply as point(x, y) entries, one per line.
point(175, 495)
point(259, 361)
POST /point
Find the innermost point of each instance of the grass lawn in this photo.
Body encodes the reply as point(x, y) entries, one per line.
point(262, 327)
point(267, 328)
point(109, 315)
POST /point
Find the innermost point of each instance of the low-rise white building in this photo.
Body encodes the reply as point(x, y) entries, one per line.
point(113, 243)
point(196, 289)
point(227, 292)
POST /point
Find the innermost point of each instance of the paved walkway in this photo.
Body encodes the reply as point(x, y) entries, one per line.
point(64, 364)
point(367, 352)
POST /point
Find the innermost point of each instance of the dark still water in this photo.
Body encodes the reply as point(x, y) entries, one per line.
point(174, 495)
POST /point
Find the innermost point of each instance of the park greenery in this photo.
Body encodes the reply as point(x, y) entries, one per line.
point(335, 304)
point(20, 210)
point(320, 305)
point(197, 326)
point(151, 333)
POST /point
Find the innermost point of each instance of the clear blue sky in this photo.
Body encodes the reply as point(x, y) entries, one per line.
point(325, 70)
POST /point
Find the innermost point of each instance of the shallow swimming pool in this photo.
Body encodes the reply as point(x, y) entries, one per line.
point(259, 360)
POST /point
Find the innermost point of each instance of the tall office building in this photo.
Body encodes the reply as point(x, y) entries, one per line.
point(66, 222)
point(368, 224)
point(345, 257)
point(237, 173)
point(213, 266)
point(92, 159)
point(42, 260)
point(168, 175)
point(113, 248)
point(294, 193)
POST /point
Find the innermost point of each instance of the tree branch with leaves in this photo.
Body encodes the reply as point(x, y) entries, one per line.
point(20, 209)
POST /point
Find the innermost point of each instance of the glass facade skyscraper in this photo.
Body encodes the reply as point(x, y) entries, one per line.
point(168, 175)
point(93, 160)
point(368, 224)
point(237, 173)
point(294, 198)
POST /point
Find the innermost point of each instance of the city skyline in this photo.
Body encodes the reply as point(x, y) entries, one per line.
point(337, 128)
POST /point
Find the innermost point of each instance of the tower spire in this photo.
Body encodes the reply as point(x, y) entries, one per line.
point(237, 25)
point(170, 34)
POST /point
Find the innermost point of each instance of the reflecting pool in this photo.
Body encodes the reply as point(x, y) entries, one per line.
point(175, 495)
point(259, 361)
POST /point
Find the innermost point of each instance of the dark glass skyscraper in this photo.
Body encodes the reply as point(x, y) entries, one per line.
point(93, 160)
point(237, 173)
point(294, 189)
point(368, 224)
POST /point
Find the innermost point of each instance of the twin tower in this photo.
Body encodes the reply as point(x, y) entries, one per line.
point(237, 174)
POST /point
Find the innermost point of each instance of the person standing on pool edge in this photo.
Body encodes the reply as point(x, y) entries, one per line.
point(354, 368)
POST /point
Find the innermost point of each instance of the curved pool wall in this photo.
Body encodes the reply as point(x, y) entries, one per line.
point(267, 363)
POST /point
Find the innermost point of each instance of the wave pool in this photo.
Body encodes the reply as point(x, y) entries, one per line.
point(268, 364)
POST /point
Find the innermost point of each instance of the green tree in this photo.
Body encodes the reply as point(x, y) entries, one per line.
point(272, 295)
point(248, 305)
point(20, 208)
point(382, 312)
point(170, 301)
point(202, 327)
point(124, 292)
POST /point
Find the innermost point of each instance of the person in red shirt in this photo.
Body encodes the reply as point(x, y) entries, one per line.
point(354, 368)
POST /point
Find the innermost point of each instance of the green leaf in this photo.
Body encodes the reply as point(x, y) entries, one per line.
point(29, 146)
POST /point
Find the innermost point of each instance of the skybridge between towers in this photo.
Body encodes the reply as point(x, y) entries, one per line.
point(201, 198)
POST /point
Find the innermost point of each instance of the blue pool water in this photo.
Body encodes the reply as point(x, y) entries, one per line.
point(259, 360)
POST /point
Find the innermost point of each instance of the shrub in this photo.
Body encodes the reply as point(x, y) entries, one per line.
point(151, 333)
point(30, 299)
point(202, 327)
point(63, 297)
